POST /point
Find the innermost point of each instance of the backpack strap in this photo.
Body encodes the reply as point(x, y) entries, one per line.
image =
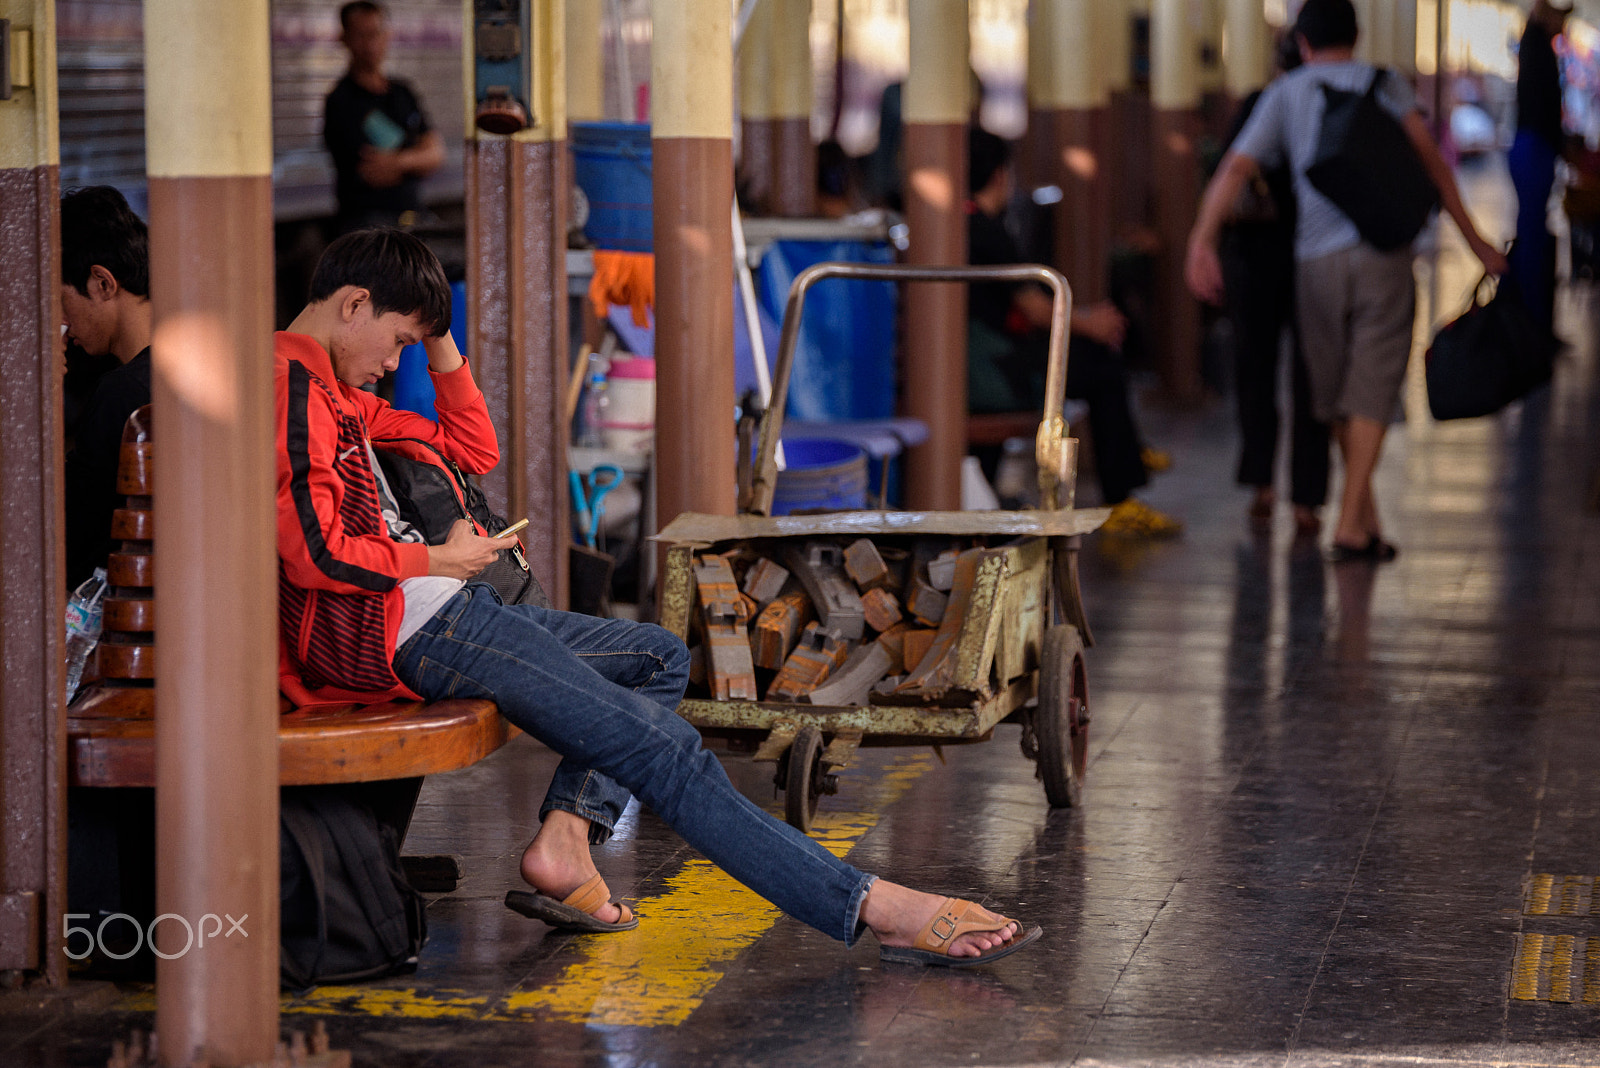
point(369, 875)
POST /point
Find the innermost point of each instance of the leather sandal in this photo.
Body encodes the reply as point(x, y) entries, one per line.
point(576, 913)
point(933, 942)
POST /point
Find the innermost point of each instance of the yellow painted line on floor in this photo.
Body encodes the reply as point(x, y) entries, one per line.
point(659, 974)
point(655, 975)
point(1525, 972)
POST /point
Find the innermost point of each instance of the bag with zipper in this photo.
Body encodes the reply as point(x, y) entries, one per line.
point(346, 909)
point(1366, 165)
point(432, 493)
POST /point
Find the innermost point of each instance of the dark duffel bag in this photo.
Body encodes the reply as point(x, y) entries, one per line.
point(1489, 356)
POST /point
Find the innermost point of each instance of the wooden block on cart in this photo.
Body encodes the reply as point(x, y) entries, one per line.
point(942, 570)
point(778, 628)
point(819, 566)
point(723, 612)
point(765, 579)
point(893, 641)
point(925, 603)
point(917, 644)
point(818, 653)
point(865, 565)
point(853, 680)
point(888, 684)
point(881, 609)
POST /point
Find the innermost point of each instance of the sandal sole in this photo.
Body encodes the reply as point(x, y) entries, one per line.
point(907, 955)
point(548, 910)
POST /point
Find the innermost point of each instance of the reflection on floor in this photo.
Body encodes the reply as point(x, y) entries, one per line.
point(1334, 816)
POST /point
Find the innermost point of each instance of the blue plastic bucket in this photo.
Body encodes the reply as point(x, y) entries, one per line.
point(821, 475)
point(611, 164)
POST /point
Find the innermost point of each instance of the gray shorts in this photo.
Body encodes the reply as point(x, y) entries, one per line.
point(1356, 310)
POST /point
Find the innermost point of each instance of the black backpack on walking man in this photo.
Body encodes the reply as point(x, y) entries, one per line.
point(1366, 165)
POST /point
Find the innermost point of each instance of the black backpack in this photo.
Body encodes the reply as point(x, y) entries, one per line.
point(1366, 165)
point(346, 910)
point(432, 492)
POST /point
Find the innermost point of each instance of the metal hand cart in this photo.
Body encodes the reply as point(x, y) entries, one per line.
point(1010, 648)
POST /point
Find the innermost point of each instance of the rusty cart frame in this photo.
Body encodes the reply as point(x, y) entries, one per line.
point(1011, 645)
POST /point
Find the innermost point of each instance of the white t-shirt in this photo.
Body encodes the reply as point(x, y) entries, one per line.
point(1285, 128)
point(426, 594)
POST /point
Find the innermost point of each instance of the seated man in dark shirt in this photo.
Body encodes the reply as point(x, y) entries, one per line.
point(105, 304)
point(1007, 340)
point(375, 129)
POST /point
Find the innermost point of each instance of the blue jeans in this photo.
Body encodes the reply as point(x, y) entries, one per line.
point(1532, 162)
point(602, 693)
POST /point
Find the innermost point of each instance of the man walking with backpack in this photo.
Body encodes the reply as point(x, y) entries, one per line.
point(1355, 291)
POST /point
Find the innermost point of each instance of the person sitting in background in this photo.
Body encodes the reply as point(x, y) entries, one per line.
point(105, 305)
point(1008, 327)
point(376, 131)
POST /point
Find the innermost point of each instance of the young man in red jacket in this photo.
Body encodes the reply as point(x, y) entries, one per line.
point(369, 612)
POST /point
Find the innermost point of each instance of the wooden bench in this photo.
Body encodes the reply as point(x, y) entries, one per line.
point(111, 725)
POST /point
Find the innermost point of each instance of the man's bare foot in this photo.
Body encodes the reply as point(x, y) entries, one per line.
point(557, 861)
point(897, 914)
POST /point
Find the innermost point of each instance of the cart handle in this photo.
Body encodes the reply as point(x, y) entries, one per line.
point(1056, 460)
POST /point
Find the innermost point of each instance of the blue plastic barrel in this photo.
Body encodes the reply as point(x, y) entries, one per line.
point(821, 475)
point(611, 164)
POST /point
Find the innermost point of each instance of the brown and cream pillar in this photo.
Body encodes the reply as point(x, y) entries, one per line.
point(1246, 49)
point(691, 133)
point(33, 838)
point(936, 106)
point(1071, 122)
point(757, 125)
point(208, 146)
point(516, 196)
point(1174, 127)
point(1404, 44)
point(1128, 162)
point(585, 62)
point(794, 158)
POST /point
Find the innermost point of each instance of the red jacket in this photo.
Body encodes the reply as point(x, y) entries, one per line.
point(339, 571)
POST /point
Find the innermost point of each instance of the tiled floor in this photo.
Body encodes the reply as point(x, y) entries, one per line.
point(1318, 801)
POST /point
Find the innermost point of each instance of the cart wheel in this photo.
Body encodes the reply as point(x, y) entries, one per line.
point(803, 778)
point(1061, 721)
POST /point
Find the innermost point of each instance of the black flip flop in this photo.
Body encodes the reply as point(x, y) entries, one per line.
point(566, 915)
point(1376, 550)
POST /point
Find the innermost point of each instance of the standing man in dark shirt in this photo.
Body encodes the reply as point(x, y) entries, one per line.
point(375, 129)
point(1532, 159)
point(105, 305)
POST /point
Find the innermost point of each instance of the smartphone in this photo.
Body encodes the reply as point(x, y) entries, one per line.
point(512, 529)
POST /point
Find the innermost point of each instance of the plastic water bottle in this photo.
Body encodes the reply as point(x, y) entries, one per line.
point(83, 625)
point(596, 404)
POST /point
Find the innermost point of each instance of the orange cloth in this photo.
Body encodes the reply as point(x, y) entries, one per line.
point(627, 278)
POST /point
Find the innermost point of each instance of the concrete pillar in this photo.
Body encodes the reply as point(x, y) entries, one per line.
point(1376, 21)
point(1246, 48)
point(516, 197)
point(936, 108)
point(756, 136)
point(1128, 173)
point(208, 150)
point(692, 129)
point(1175, 124)
point(1404, 55)
point(1071, 122)
point(585, 62)
point(33, 839)
point(794, 158)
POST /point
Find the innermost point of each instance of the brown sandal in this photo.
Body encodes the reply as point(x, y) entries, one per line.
point(933, 942)
point(576, 912)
